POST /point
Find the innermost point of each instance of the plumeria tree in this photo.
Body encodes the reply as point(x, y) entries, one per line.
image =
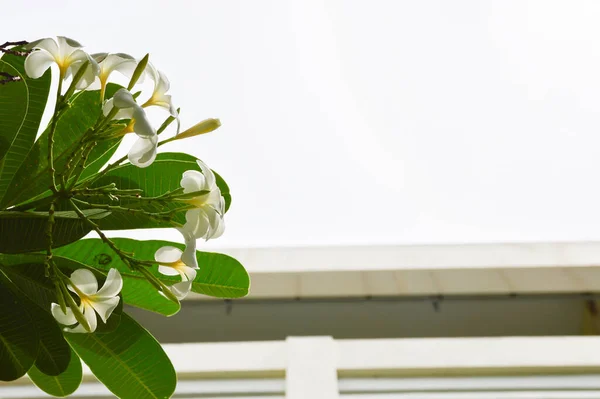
point(62, 297)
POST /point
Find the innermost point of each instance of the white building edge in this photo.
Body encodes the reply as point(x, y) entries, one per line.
point(561, 363)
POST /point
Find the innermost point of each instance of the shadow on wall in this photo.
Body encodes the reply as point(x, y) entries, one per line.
point(248, 320)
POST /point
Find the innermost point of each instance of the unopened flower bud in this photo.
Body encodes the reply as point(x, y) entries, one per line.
point(205, 126)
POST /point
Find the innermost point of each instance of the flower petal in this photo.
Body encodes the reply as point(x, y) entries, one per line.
point(208, 174)
point(167, 254)
point(85, 281)
point(125, 113)
point(163, 85)
point(214, 198)
point(78, 56)
point(181, 290)
point(67, 45)
point(123, 99)
point(196, 223)
point(49, 45)
point(175, 114)
point(99, 57)
point(187, 273)
point(37, 63)
point(90, 74)
point(143, 152)
point(63, 318)
point(192, 180)
point(219, 231)
point(189, 254)
point(142, 127)
point(77, 329)
point(112, 286)
point(90, 316)
point(105, 307)
point(167, 270)
point(217, 224)
point(113, 61)
point(214, 220)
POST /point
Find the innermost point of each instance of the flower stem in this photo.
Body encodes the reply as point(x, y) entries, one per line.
point(129, 260)
point(57, 109)
point(49, 240)
point(76, 173)
point(159, 216)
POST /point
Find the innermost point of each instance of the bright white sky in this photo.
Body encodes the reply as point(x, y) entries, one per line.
point(365, 122)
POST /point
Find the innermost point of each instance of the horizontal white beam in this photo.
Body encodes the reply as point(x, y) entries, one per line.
point(416, 257)
point(411, 354)
point(452, 355)
point(385, 357)
point(360, 271)
point(245, 358)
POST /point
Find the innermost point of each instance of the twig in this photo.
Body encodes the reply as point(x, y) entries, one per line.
point(127, 259)
point(159, 216)
point(49, 240)
point(79, 168)
point(51, 136)
point(4, 49)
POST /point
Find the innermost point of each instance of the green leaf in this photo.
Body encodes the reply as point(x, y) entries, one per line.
point(54, 353)
point(60, 385)
point(27, 272)
point(33, 177)
point(128, 361)
point(162, 176)
point(26, 231)
point(219, 275)
point(18, 334)
point(22, 104)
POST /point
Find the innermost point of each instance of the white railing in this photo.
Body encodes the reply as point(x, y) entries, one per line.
point(324, 368)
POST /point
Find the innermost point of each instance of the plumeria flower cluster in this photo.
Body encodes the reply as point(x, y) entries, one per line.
point(203, 220)
point(199, 193)
point(69, 56)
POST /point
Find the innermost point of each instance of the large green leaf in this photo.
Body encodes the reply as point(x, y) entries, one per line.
point(22, 104)
point(26, 271)
point(128, 361)
point(54, 353)
point(60, 385)
point(33, 177)
point(219, 275)
point(26, 231)
point(162, 176)
point(18, 334)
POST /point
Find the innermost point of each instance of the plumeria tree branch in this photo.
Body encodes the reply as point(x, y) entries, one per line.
point(49, 240)
point(51, 134)
point(166, 216)
point(4, 49)
point(127, 258)
point(8, 78)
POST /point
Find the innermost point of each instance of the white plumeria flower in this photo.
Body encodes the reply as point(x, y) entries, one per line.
point(93, 300)
point(64, 52)
point(172, 262)
point(108, 63)
point(159, 97)
point(144, 150)
point(206, 219)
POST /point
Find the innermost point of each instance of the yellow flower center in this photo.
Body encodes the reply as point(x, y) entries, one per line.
point(197, 202)
point(178, 264)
